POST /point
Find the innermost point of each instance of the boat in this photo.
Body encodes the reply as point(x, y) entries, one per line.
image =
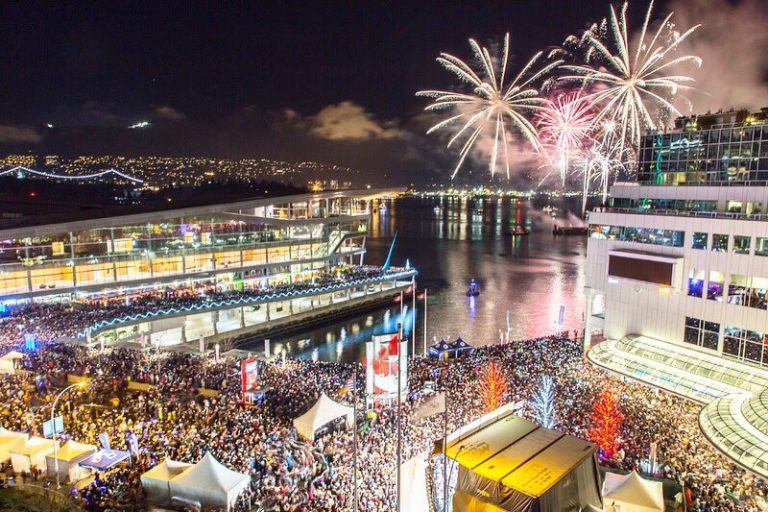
point(518, 230)
point(570, 231)
point(474, 289)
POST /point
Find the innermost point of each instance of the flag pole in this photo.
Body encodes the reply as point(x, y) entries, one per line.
point(445, 453)
point(354, 439)
point(425, 323)
point(413, 323)
point(399, 392)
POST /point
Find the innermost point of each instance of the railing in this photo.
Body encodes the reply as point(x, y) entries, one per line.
point(683, 213)
point(207, 305)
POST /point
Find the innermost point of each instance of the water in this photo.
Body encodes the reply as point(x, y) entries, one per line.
point(524, 280)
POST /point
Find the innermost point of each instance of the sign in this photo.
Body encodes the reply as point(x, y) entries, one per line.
point(56, 425)
point(249, 376)
point(382, 365)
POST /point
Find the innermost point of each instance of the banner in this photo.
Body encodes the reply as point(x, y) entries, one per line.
point(133, 443)
point(104, 440)
point(249, 376)
point(382, 365)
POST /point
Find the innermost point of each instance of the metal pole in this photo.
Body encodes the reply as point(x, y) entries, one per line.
point(53, 426)
point(425, 323)
point(354, 439)
point(399, 387)
point(413, 323)
point(445, 453)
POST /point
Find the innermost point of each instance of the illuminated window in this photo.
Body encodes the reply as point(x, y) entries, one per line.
point(699, 241)
point(715, 286)
point(719, 243)
point(696, 283)
point(701, 333)
point(761, 246)
point(741, 244)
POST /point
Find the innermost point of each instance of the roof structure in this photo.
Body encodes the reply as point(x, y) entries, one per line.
point(520, 454)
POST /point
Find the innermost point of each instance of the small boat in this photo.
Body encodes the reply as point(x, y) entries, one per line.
point(570, 231)
point(519, 230)
point(474, 289)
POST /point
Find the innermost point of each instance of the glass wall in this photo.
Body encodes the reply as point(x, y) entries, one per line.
point(640, 235)
point(701, 333)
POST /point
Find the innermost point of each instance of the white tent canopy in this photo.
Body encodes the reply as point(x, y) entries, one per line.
point(10, 440)
point(323, 412)
point(413, 482)
point(8, 362)
point(209, 483)
point(31, 454)
point(157, 481)
point(632, 493)
point(69, 455)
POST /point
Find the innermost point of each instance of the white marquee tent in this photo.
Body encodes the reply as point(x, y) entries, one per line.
point(8, 362)
point(323, 412)
point(31, 454)
point(69, 456)
point(632, 493)
point(157, 481)
point(8, 441)
point(209, 483)
point(413, 482)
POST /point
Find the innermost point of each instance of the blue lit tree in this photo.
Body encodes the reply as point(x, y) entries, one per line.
point(543, 403)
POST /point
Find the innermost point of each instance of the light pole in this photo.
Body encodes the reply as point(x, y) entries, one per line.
point(80, 384)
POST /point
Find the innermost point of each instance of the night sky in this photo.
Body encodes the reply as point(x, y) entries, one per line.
point(293, 80)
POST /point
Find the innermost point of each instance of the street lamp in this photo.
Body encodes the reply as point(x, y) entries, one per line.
point(81, 384)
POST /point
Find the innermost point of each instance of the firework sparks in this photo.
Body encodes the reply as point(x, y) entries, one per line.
point(565, 125)
point(632, 83)
point(493, 108)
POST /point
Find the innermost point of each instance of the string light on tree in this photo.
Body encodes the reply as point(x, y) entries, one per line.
point(605, 420)
point(543, 403)
point(493, 387)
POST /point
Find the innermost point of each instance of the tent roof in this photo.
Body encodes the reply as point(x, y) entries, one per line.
point(324, 411)
point(633, 489)
point(34, 445)
point(13, 354)
point(167, 470)
point(72, 450)
point(212, 475)
point(460, 343)
point(7, 435)
point(520, 454)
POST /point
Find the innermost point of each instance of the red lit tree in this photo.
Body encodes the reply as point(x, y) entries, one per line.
point(492, 387)
point(606, 421)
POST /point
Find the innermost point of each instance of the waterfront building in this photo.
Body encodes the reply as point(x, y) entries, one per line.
point(677, 276)
point(257, 244)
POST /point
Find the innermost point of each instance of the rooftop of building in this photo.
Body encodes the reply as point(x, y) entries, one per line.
point(47, 224)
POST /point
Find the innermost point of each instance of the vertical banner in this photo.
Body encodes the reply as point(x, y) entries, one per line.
point(249, 376)
point(104, 440)
point(561, 315)
point(381, 364)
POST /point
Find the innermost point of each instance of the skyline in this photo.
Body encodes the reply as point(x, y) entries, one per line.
point(324, 84)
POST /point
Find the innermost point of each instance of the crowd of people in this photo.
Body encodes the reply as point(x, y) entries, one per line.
point(49, 321)
point(172, 420)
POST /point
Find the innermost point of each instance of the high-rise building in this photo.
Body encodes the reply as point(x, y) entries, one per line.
point(677, 276)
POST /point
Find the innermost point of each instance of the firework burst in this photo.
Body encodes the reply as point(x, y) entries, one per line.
point(565, 126)
point(633, 83)
point(494, 108)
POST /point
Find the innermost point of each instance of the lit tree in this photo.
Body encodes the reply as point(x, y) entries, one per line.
point(606, 421)
point(493, 387)
point(543, 403)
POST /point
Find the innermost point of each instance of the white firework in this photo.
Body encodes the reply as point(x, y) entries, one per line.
point(632, 84)
point(603, 159)
point(493, 108)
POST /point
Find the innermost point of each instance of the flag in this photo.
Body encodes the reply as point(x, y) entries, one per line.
point(433, 404)
point(133, 443)
point(104, 440)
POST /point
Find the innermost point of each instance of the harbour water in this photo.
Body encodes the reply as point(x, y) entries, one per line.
point(530, 285)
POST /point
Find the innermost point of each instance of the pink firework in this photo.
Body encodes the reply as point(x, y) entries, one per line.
point(566, 125)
